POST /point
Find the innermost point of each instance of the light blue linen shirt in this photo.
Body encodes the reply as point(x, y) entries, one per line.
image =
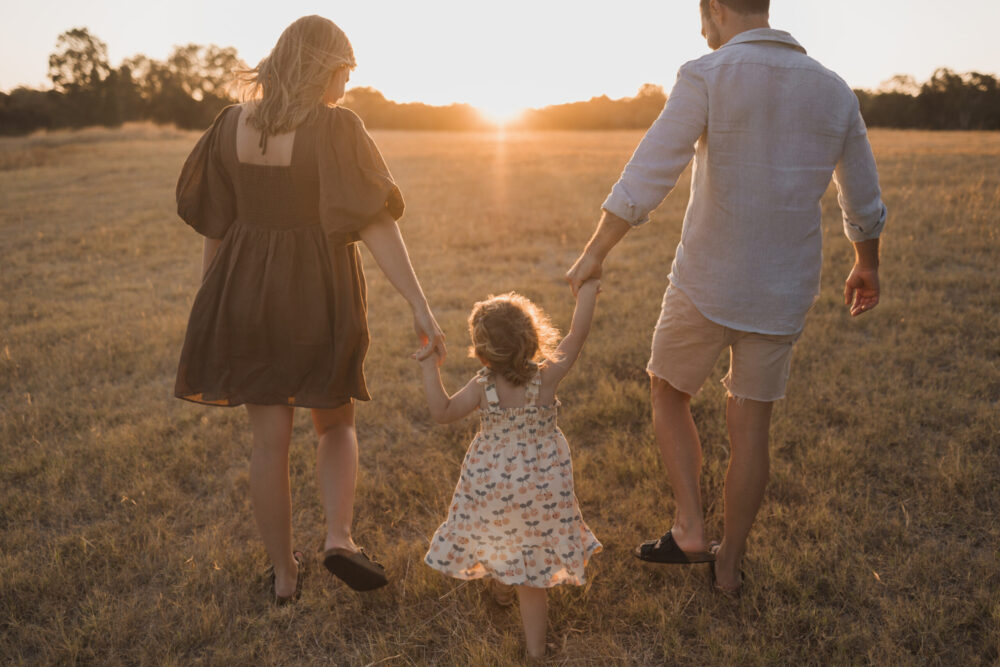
point(768, 126)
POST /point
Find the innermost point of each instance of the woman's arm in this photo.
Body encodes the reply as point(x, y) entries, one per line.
point(569, 349)
point(446, 409)
point(383, 239)
point(209, 249)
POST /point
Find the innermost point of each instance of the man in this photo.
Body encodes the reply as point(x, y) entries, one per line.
point(768, 127)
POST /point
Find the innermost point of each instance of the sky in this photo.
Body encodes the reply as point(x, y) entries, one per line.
point(505, 56)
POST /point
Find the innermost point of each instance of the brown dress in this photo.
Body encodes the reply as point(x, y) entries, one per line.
point(280, 318)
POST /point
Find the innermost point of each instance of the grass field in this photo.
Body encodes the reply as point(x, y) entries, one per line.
point(125, 528)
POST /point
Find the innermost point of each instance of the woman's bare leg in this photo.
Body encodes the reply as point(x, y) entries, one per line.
point(337, 472)
point(269, 489)
point(534, 605)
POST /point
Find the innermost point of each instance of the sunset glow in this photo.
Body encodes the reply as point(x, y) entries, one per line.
point(502, 58)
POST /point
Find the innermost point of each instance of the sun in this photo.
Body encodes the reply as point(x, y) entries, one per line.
point(500, 112)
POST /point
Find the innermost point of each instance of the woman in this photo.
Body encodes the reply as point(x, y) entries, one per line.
point(281, 187)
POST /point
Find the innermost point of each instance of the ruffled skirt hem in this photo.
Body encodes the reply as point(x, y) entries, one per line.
point(527, 568)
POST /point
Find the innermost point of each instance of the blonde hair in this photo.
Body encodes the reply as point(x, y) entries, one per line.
point(290, 82)
point(512, 336)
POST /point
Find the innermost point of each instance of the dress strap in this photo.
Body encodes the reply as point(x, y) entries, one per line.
point(485, 377)
point(531, 393)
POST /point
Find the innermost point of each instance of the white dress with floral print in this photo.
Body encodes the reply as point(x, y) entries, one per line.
point(514, 515)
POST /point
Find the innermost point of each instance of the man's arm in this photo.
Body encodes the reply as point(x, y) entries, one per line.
point(650, 174)
point(860, 198)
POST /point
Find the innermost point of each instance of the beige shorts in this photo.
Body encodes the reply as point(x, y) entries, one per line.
point(686, 345)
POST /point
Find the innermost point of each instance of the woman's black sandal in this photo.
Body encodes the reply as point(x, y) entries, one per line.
point(355, 569)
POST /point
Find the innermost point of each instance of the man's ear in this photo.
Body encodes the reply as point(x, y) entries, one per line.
point(718, 11)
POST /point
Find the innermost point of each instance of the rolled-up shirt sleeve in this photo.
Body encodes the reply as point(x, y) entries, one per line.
point(664, 152)
point(858, 192)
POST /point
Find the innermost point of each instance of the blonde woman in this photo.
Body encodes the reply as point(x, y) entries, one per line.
point(281, 187)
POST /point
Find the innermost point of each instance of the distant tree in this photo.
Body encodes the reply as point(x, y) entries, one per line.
point(24, 110)
point(189, 88)
point(203, 72)
point(599, 113)
point(948, 101)
point(80, 62)
point(380, 113)
point(79, 69)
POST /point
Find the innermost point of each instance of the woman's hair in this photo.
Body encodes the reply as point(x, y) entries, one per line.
point(511, 335)
point(291, 80)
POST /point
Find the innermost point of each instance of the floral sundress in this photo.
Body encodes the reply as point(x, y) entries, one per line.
point(514, 515)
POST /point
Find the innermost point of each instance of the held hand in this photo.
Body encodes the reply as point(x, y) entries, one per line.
point(861, 290)
point(425, 356)
point(586, 267)
point(590, 287)
point(430, 335)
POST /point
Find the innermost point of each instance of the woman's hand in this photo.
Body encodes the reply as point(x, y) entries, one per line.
point(430, 335)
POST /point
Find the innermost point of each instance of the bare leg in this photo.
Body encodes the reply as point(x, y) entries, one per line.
point(337, 472)
point(749, 423)
point(680, 451)
point(269, 489)
point(534, 605)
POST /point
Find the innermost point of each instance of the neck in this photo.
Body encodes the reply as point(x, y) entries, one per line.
point(741, 23)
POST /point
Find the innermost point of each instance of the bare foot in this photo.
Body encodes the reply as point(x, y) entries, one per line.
point(726, 569)
point(286, 580)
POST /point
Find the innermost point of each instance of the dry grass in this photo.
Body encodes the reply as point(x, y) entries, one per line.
point(125, 528)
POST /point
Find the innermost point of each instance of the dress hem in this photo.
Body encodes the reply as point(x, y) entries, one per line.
point(488, 573)
point(235, 403)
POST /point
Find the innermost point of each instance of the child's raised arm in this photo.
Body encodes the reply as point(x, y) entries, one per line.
point(583, 315)
point(446, 409)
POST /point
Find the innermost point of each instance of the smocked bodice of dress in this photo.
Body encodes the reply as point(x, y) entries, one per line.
point(528, 421)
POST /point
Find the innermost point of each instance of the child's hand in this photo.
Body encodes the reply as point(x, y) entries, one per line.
point(428, 356)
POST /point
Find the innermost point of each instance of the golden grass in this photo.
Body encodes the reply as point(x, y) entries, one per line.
point(125, 528)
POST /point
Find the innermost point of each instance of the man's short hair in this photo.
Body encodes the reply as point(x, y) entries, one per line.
point(742, 6)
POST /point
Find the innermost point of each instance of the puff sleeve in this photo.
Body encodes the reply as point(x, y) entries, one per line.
point(355, 183)
point(205, 196)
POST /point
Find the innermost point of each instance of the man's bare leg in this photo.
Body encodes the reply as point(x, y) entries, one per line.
point(749, 425)
point(680, 451)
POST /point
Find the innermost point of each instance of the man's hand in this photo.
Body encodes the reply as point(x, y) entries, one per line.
point(586, 267)
point(610, 230)
point(861, 289)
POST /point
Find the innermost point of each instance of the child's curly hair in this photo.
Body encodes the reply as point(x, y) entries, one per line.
point(511, 335)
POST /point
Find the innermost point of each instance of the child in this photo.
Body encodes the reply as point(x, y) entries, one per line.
point(514, 516)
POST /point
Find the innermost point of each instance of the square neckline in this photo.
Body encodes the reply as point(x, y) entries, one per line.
point(236, 151)
point(487, 378)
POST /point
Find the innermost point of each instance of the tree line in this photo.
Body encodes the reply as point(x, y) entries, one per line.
point(191, 86)
point(948, 101)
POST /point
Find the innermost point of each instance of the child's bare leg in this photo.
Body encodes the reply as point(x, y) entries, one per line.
point(534, 615)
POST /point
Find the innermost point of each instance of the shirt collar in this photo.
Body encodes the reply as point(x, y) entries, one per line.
point(765, 35)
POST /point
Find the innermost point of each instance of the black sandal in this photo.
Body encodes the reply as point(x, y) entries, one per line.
point(665, 550)
point(355, 569)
